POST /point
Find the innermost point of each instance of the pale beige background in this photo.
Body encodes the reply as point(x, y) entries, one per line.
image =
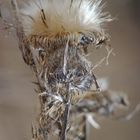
point(17, 97)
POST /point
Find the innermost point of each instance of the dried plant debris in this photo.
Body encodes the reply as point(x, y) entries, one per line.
point(54, 38)
point(105, 104)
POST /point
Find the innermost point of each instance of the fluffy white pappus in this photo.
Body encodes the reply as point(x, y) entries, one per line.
point(45, 17)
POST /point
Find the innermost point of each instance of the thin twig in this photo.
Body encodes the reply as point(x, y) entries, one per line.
point(67, 102)
point(65, 58)
point(20, 32)
point(109, 53)
point(96, 83)
point(18, 25)
point(66, 114)
point(131, 114)
point(98, 64)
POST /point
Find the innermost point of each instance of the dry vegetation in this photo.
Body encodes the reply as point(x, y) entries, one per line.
point(67, 88)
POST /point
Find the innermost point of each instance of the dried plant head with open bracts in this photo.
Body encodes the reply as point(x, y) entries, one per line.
point(57, 37)
point(52, 26)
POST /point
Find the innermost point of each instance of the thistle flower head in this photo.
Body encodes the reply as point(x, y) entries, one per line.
point(63, 17)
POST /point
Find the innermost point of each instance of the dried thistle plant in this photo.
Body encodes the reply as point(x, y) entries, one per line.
point(104, 105)
point(54, 38)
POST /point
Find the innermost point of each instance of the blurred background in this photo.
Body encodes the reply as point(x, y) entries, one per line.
point(18, 101)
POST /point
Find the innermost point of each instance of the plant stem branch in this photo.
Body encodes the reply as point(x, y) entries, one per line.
point(66, 114)
point(19, 28)
point(67, 100)
point(24, 48)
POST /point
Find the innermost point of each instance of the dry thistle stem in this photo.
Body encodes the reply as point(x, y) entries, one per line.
point(54, 37)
